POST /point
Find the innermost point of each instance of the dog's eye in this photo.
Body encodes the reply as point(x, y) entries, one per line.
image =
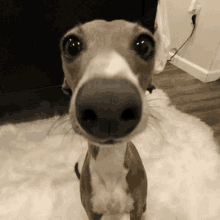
point(72, 46)
point(144, 46)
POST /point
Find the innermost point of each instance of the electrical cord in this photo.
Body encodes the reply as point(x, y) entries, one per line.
point(194, 26)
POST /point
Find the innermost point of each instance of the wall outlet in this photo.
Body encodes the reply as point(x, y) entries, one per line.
point(198, 9)
point(194, 7)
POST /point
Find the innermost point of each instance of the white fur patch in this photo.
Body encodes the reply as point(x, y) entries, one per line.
point(111, 200)
point(117, 65)
point(108, 64)
point(108, 179)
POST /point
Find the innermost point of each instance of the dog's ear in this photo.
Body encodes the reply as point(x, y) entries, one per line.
point(65, 87)
point(150, 11)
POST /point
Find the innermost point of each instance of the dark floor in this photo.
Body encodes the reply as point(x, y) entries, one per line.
point(189, 95)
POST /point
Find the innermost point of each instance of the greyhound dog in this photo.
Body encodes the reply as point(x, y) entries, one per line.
point(108, 67)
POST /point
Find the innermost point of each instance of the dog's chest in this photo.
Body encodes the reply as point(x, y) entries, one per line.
point(109, 185)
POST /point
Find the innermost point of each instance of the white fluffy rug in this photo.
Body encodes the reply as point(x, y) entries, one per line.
point(178, 151)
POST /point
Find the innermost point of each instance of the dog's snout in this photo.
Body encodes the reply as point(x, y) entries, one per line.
point(108, 108)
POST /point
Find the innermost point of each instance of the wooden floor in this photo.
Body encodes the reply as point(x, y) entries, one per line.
point(192, 96)
point(189, 95)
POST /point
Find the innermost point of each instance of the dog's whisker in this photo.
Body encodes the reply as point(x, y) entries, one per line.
point(50, 129)
point(65, 135)
point(60, 121)
point(68, 131)
point(64, 121)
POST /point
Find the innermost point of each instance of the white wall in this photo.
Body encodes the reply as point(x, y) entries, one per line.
point(216, 62)
point(200, 56)
point(179, 21)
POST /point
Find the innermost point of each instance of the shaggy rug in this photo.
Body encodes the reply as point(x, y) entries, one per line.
point(178, 151)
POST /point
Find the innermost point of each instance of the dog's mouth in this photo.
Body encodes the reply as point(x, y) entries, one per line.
point(109, 142)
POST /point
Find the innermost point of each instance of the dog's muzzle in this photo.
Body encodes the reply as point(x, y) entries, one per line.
point(108, 108)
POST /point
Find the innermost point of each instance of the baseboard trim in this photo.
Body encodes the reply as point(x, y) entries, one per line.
point(193, 69)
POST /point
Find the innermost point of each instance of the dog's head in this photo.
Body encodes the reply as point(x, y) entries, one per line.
point(108, 67)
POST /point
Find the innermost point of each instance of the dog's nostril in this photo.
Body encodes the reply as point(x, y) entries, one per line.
point(129, 114)
point(88, 115)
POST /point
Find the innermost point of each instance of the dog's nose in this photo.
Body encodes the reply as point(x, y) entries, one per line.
point(108, 108)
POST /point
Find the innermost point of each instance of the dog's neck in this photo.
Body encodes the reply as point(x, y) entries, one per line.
point(108, 160)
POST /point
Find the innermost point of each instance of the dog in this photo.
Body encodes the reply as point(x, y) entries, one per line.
point(108, 67)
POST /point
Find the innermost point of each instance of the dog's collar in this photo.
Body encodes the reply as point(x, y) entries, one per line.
point(151, 88)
